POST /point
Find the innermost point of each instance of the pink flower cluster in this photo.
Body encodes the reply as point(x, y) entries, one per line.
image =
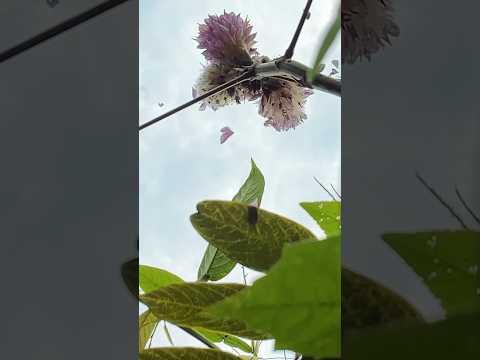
point(228, 45)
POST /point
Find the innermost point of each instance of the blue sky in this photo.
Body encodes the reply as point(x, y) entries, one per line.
point(181, 159)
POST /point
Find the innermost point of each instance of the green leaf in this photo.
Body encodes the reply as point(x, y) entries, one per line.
point(327, 42)
point(448, 262)
point(367, 304)
point(298, 301)
point(227, 339)
point(146, 325)
point(216, 265)
point(225, 225)
point(185, 305)
point(326, 214)
point(129, 272)
point(252, 189)
point(152, 278)
point(186, 353)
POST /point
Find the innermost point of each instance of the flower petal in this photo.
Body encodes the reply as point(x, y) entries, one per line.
point(226, 133)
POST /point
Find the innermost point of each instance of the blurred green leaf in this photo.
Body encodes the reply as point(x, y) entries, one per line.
point(327, 42)
point(186, 353)
point(455, 338)
point(146, 324)
point(185, 305)
point(225, 225)
point(216, 265)
point(326, 214)
point(448, 262)
point(152, 278)
point(367, 304)
point(298, 301)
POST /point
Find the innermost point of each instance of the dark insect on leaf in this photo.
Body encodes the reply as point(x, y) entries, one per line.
point(252, 215)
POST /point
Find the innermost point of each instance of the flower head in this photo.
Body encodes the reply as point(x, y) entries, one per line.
point(367, 26)
point(214, 75)
point(227, 39)
point(282, 103)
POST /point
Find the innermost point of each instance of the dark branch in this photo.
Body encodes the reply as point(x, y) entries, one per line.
point(305, 15)
point(324, 188)
point(464, 203)
point(443, 202)
point(245, 76)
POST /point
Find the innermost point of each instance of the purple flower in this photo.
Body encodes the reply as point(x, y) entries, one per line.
point(226, 133)
point(367, 26)
point(283, 105)
point(227, 39)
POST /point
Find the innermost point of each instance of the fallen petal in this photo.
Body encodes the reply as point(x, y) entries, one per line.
point(226, 133)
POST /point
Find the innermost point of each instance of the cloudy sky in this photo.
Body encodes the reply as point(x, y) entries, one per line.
point(181, 159)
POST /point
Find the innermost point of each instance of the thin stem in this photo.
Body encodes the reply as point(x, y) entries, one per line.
point(151, 336)
point(243, 77)
point(324, 188)
point(291, 47)
point(464, 203)
point(443, 202)
point(199, 338)
point(335, 191)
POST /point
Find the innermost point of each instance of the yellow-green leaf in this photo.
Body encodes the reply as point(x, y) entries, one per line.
point(226, 225)
point(146, 324)
point(215, 264)
point(186, 305)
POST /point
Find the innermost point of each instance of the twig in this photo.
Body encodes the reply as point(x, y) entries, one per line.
point(443, 202)
point(291, 47)
point(245, 76)
point(464, 203)
point(324, 188)
point(336, 192)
